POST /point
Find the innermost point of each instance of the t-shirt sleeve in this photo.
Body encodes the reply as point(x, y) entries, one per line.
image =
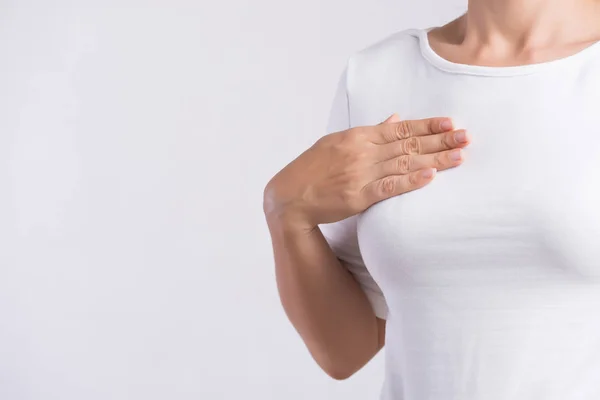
point(342, 235)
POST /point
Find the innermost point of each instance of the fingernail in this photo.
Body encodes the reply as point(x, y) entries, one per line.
point(456, 155)
point(428, 173)
point(446, 125)
point(460, 136)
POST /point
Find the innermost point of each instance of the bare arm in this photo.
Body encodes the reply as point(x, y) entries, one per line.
point(341, 175)
point(327, 306)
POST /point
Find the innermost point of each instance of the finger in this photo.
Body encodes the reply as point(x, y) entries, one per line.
point(395, 185)
point(391, 132)
point(426, 144)
point(409, 163)
point(391, 119)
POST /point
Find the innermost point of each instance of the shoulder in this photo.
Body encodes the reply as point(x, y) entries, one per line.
point(400, 47)
point(378, 78)
point(405, 40)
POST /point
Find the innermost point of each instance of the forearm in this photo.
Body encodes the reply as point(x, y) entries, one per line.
point(323, 301)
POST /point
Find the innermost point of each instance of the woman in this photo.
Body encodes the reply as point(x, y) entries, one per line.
point(483, 281)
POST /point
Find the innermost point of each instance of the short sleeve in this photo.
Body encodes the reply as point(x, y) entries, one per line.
point(342, 236)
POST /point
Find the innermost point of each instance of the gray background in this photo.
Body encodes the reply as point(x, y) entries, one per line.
point(135, 141)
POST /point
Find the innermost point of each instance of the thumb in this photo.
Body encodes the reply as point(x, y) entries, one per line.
point(392, 119)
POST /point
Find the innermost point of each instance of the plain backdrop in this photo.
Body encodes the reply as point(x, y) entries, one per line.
point(136, 138)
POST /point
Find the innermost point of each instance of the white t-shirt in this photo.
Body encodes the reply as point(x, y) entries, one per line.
point(489, 277)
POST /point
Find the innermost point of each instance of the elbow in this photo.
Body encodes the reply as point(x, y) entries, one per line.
point(337, 370)
point(340, 361)
point(339, 374)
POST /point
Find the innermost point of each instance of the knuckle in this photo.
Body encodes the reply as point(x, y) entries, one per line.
point(333, 140)
point(413, 179)
point(430, 125)
point(353, 136)
point(337, 148)
point(349, 196)
point(354, 158)
point(354, 177)
point(403, 129)
point(357, 202)
point(356, 132)
point(412, 146)
point(353, 197)
point(404, 164)
point(387, 186)
point(446, 141)
point(438, 162)
point(346, 143)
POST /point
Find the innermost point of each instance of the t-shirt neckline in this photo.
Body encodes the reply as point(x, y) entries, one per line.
point(449, 66)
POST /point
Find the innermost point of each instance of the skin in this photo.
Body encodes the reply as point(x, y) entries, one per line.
point(341, 175)
point(504, 33)
point(346, 172)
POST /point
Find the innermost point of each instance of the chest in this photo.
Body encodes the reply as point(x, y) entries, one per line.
point(524, 206)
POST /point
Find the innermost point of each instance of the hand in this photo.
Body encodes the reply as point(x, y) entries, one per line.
point(346, 172)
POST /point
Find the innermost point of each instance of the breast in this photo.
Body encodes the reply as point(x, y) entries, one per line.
point(524, 207)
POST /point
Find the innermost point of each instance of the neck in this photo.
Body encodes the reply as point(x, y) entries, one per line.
point(530, 23)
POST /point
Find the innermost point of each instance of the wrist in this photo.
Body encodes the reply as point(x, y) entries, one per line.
point(285, 215)
point(287, 219)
